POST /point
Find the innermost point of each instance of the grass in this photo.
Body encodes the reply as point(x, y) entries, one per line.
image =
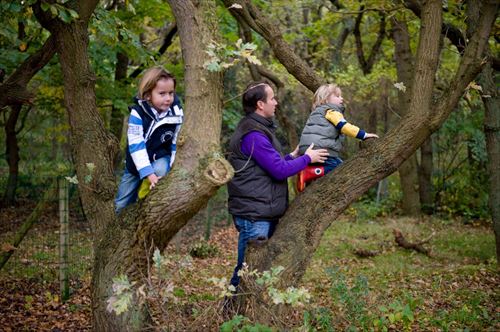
point(455, 289)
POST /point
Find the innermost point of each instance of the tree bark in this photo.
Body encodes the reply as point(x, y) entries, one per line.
point(12, 154)
point(408, 175)
point(198, 172)
point(491, 102)
point(14, 89)
point(300, 230)
point(116, 122)
point(425, 177)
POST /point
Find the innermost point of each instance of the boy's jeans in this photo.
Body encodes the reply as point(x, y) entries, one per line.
point(331, 163)
point(129, 184)
point(260, 230)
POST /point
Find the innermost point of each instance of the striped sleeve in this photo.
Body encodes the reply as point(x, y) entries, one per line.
point(337, 119)
point(137, 145)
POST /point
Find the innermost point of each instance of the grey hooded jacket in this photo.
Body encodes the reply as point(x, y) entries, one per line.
point(321, 132)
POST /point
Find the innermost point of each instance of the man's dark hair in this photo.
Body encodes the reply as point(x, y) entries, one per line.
point(253, 93)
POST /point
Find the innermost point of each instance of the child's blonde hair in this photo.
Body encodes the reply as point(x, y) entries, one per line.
point(149, 80)
point(322, 94)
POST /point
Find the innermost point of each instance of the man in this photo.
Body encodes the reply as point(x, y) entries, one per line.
point(258, 193)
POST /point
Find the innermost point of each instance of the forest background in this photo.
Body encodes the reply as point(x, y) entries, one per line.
point(370, 48)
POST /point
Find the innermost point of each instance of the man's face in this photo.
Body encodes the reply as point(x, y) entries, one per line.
point(268, 107)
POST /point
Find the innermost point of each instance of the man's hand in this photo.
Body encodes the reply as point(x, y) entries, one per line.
point(317, 156)
point(295, 153)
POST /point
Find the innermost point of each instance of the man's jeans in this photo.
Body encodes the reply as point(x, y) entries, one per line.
point(259, 230)
point(129, 184)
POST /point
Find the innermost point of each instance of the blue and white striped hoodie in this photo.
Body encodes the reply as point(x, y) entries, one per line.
point(151, 135)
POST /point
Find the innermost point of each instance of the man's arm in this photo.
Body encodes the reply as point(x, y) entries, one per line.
point(265, 155)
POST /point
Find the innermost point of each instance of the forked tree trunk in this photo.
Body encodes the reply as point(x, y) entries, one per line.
point(301, 229)
point(198, 172)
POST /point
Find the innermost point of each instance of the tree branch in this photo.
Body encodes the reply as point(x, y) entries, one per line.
point(14, 89)
point(261, 24)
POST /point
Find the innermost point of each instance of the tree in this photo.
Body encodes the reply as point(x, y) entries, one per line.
point(15, 93)
point(300, 230)
point(122, 242)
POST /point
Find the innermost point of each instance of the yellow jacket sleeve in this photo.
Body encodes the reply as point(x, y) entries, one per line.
point(337, 119)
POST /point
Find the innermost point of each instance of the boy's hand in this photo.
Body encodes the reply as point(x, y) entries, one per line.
point(153, 179)
point(369, 135)
point(295, 153)
point(317, 156)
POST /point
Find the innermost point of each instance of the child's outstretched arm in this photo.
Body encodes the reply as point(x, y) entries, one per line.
point(337, 119)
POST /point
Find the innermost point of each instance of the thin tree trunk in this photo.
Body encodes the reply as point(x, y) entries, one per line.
point(28, 223)
point(116, 122)
point(490, 82)
point(12, 154)
point(408, 175)
point(425, 177)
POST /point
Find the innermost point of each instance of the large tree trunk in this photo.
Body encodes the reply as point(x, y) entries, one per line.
point(408, 175)
point(490, 82)
point(198, 172)
point(121, 244)
point(301, 229)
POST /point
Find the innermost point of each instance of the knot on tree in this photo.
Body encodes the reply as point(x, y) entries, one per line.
point(218, 171)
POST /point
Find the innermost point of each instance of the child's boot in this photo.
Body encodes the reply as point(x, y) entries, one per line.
point(307, 175)
point(144, 188)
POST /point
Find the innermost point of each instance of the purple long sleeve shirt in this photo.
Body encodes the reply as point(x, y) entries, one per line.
point(266, 156)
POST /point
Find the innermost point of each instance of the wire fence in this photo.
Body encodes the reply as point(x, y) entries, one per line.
point(57, 246)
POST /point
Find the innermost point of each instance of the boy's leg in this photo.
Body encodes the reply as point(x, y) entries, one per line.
point(331, 163)
point(161, 166)
point(127, 191)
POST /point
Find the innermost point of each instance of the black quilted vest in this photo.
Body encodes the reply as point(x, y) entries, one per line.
point(253, 193)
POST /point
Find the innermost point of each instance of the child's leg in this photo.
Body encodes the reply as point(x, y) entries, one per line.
point(331, 163)
point(127, 191)
point(161, 166)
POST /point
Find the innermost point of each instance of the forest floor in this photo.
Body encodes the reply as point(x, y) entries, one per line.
point(455, 287)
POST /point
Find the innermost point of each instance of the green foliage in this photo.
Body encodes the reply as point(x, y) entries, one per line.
point(318, 319)
point(351, 298)
point(203, 249)
point(222, 56)
point(461, 178)
point(242, 324)
point(397, 314)
point(121, 299)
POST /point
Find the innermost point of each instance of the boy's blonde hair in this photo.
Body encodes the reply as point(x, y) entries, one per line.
point(322, 94)
point(149, 80)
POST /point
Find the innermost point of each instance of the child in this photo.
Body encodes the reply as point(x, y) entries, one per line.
point(154, 123)
point(326, 128)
